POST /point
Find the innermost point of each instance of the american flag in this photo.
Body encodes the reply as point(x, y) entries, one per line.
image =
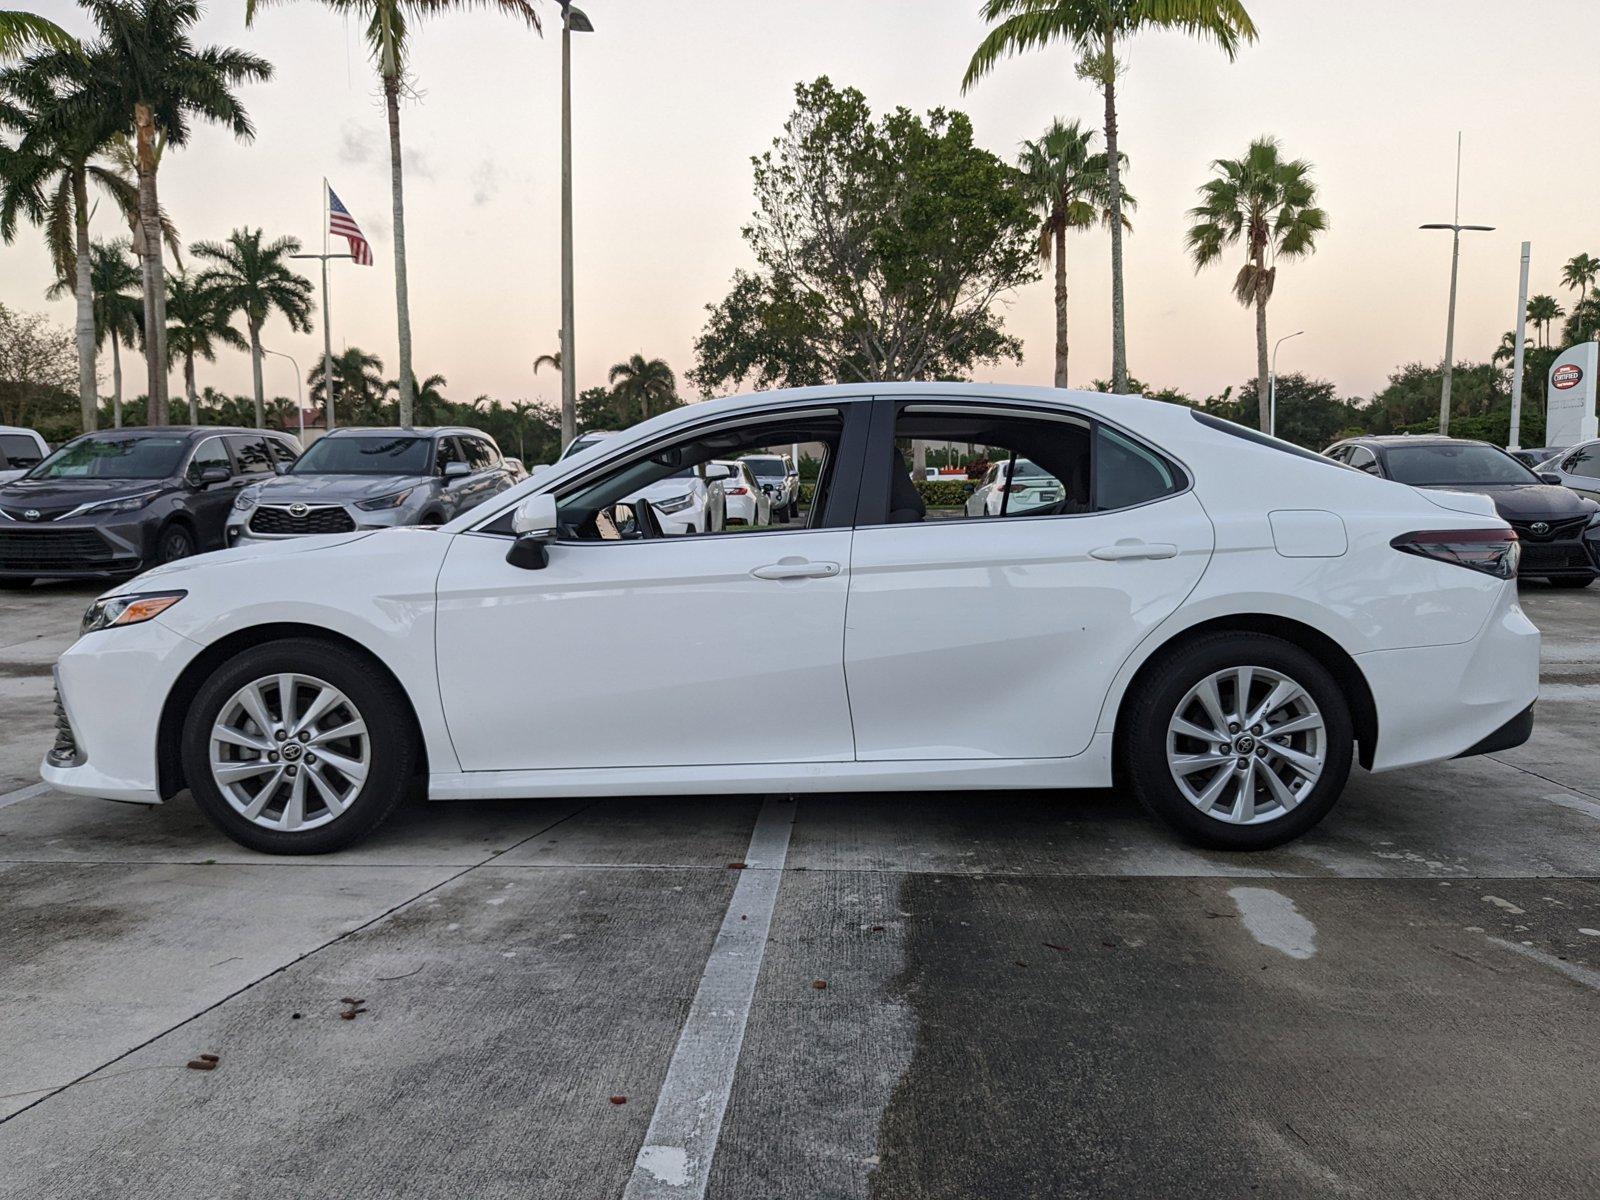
point(341, 223)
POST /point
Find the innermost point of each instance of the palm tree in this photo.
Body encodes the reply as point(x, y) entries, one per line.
point(642, 381)
point(1268, 205)
point(428, 400)
point(197, 320)
point(1073, 188)
point(1579, 274)
point(21, 32)
point(1506, 351)
point(255, 279)
point(1584, 320)
point(145, 76)
point(547, 360)
point(358, 382)
point(1541, 311)
point(1094, 28)
point(118, 309)
point(388, 38)
point(50, 186)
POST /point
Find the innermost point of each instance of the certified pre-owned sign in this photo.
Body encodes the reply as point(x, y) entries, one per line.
point(1567, 375)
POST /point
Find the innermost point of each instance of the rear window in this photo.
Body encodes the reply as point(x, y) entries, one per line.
point(18, 451)
point(1245, 433)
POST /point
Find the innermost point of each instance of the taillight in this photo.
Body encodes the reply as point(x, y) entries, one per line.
point(735, 491)
point(1493, 551)
point(1015, 487)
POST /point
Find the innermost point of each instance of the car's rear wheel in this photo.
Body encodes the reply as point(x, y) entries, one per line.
point(1241, 741)
point(1570, 581)
point(298, 747)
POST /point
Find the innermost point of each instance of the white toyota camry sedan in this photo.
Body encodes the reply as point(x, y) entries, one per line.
point(1223, 621)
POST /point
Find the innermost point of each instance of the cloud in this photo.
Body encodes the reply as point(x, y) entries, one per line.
point(418, 165)
point(357, 145)
point(485, 182)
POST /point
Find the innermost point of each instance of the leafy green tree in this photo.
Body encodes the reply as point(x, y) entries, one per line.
point(643, 384)
point(1072, 187)
point(1268, 206)
point(49, 185)
point(1542, 310)
point(1506, 352)
point(38, 366)
point(882, 249)
point(118, 309)
point(1578, 274)
point(22, 32)
point(1310, 412)
point(358, 384)
point(388, 34)
point(198, 316)
point(254, 278)
point(428, 399)
point(1584, 322)
point(145, 76)
point(1096, 29)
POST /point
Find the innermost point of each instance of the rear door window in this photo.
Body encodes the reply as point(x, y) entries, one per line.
point(251, 454)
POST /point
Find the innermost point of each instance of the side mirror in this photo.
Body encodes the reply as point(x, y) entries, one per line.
point(280, 468)
point(714, 473)
point(210, 475)
point(1549, 477)
point(534, 523)
point(456, 470)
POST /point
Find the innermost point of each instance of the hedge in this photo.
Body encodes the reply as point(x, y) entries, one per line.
point(936, 493)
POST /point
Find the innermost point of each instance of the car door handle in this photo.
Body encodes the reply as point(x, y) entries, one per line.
point(1133, 549)
point(796, 568)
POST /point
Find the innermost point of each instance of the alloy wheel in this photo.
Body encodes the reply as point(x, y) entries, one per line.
point(1246, 745)
point(289, 752)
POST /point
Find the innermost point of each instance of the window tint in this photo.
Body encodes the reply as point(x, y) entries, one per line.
point(18, 452)
point(449, 452)
point(1585, 463)
point(251, 453)
point(1125, 473)
point(480, 457)
point(115, 456)
point(1433, 463)
point(366, 454)
point(282, 452)
point(210, 453)
point(1363, 459)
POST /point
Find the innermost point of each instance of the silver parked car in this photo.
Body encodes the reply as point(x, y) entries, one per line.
point(1577, 468)
point(371, 479)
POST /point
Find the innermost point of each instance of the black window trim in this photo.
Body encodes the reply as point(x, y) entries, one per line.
point(887, 408)
point(1255, 437)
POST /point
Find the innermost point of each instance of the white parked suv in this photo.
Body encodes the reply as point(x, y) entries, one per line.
point(20, 450)
point(1226, 620)
point(778, 477)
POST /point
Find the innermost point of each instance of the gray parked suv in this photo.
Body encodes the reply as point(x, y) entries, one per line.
point(371, 479)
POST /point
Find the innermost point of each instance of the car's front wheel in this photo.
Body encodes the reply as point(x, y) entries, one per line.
point(175, 542)
point(298, 746)
point(1241, 741)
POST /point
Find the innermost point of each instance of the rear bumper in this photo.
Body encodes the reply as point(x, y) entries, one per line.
point(1510, 735)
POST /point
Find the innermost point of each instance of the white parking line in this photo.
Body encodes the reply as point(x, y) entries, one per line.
point(1577, 803)
point(1576, 972)
point(675, 1161)
point(26, 793)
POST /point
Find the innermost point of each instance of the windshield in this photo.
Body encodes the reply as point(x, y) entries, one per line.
point(114, 457)
point(378, 455)
point(1461, 464)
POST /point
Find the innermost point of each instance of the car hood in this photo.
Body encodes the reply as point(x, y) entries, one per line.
point(332, 489)
point(1529, 501)
point(55, 496)
point(171, 574)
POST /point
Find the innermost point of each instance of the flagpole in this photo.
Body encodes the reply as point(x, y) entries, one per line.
point(327, 329)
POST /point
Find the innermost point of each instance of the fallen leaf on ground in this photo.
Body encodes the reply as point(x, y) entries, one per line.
point(619, 1099)
point(1053, 946)
point(819, 984)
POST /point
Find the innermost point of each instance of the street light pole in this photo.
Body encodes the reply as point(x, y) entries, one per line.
point(299, 391)
point(1455, 228)
point(573, 21)
point(1272, 384)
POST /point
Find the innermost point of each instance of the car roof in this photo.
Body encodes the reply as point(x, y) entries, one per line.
point(189, 431)
point(408, 430)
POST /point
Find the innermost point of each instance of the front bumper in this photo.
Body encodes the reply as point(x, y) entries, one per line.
point(319, 519)
point(84, 548)
point(1569, 558)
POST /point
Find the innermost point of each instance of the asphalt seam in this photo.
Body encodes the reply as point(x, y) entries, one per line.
point(1546, 778)
point(51, 1093)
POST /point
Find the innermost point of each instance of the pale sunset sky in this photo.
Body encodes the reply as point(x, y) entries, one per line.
point(672, 99)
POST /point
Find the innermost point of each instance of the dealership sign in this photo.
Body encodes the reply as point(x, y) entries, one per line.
point(1570, 398)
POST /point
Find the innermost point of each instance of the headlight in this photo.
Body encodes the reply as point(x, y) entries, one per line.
point(126, 504)
point(246, 500)
point(383, 502)
point(132, 608)
point(673, 504)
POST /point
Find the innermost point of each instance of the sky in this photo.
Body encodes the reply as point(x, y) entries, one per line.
point(670, 100)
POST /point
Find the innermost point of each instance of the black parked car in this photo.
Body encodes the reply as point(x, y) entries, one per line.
point(116, 502)
point(1559, 530)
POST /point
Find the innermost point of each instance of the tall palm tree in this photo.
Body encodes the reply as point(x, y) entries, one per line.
point(254, 278)
point(1268, 205)
point(643, 381)
point(118, 309)
point(1541, 311)
point(1073, 188)
point(428, 400)
point(1506, 351)
point(1584, 320)
point(388, 39)
point(1095, 28)
point(145, 76)
point(50, 186)
point(21, 32)
point(198, 319)
point(358, 385)
point(1579, 274)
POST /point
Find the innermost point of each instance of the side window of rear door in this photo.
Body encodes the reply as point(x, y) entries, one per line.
point(283, 454)
point(449, 452)
point(250, 452)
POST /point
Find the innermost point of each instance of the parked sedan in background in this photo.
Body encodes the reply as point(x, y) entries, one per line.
point(1577, 468)
point(780, 480)
point(1535, 457)
point(20, 449)
point(373, 479)
point(1560, 531)
point(744, 501)
point(1003, 490)
point(119, 501)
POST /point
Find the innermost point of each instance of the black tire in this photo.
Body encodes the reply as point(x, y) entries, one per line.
point(1149, 711)
point(1570, 581)
point(174, 542)
point(794, 508)
point(394, 752)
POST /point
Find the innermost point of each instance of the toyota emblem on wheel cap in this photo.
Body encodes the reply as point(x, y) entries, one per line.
point(298, 510)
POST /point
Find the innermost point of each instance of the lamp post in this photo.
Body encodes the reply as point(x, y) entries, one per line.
point(1272, 384)
point(1455, 226)
point(573, 21)
point(299, 391)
